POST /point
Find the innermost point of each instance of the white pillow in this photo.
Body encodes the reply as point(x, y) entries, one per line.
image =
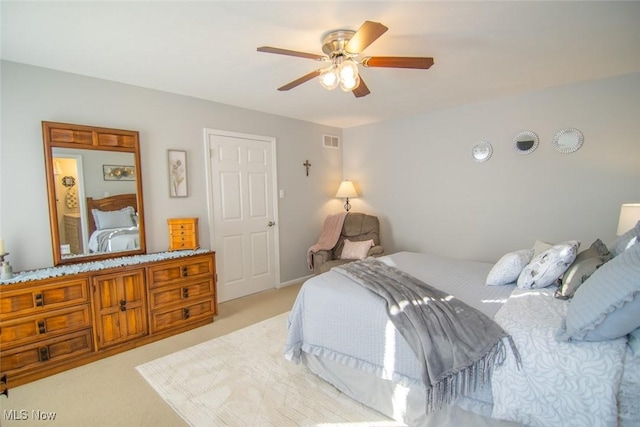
point(113, 219)
point(509, 267)
point(547, 267)
point(356, 250)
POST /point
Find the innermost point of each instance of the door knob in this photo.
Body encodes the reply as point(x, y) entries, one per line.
point(271, 223)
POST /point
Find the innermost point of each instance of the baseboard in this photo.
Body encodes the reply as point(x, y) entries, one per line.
point(294, 281)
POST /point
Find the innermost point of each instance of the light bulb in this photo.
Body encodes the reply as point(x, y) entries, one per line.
point(329, 78)
point(348, 85)
point(348, 70)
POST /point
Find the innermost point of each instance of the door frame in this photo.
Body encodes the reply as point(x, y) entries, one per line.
point(274, 197)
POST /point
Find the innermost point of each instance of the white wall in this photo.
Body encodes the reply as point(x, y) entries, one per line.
point(31, 95)
point(417, 173)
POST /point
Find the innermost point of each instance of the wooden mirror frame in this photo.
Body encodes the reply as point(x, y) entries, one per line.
point(80, 137)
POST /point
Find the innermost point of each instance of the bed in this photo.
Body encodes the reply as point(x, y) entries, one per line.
point(342, 333)
point(113, 223)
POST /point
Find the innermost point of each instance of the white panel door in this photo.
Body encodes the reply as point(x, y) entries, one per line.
point(241, 200)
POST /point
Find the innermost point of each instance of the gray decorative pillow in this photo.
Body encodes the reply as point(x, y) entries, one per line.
point(509, 267)
point(622, 242)
point(582, 268)
point(547, 267)
point(607, 304)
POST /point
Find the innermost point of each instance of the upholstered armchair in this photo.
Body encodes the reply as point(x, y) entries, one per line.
point(357, 227)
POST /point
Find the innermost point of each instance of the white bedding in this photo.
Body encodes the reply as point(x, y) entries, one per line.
point(561, 383)
point(330, 301)
point(335, 322)
point(114, 239)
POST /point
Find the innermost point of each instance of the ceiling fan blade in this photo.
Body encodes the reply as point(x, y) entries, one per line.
point(361, 90)
point(398, 62)
point(269, 49)
point(301, 80)
point(366, 34)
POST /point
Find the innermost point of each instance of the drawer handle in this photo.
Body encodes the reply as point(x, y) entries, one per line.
point(185, 292)
point(41, 327)
point(43, 353)
point(185, 313)
point(39, 300)
point(185, 272)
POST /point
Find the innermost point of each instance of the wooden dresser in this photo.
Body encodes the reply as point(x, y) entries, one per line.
point(183, 233)
point(54, 324)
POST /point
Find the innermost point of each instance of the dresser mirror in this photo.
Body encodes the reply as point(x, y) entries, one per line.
point(95, 192)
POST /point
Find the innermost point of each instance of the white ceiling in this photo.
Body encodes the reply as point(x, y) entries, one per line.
point(207, 49)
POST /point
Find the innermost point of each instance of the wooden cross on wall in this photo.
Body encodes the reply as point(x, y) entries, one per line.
point(307, 165)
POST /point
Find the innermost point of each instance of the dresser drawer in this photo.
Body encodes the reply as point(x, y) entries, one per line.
point(183, 242)
point(186, 268)
point(46, 352)
point(180, 293)
point(45, 325)
point(179, 316)
point(50, 296)
point(182, 228)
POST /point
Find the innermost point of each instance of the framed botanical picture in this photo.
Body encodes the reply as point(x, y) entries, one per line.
point(177, 160)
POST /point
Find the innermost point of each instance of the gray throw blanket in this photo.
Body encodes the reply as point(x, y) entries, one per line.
point(456, 344)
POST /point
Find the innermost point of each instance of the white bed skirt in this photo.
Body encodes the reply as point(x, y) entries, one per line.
point(398, 402)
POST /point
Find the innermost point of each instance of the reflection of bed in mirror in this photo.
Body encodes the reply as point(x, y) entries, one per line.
point(113, 223)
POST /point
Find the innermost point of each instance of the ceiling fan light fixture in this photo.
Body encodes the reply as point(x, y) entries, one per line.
point(348, 85)
point(348, 70)
point(328, 78)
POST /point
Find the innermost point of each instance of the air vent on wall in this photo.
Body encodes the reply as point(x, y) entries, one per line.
point(330, 141)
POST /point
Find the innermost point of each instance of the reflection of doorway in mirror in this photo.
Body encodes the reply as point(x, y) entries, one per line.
point(70, 202)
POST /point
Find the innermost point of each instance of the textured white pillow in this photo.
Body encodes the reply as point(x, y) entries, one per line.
point(509, 267)
point(113, 219)
point(547, 267)
point(356, 250)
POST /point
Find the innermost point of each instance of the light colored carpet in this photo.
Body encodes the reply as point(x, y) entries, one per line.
point(242, 379)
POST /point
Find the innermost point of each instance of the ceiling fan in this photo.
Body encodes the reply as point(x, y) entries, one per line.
point(342, 48)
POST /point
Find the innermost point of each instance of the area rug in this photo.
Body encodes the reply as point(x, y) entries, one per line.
point(242, 379)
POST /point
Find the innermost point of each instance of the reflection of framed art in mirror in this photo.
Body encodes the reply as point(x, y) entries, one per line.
point(118, 173)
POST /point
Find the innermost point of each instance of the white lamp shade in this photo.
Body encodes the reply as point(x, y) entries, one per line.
point(629, 217)
point(347, 190)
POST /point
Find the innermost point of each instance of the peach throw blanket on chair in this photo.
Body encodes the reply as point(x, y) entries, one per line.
point(329, 236)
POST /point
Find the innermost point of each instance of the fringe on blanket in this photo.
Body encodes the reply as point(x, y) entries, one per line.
point(466, 381)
